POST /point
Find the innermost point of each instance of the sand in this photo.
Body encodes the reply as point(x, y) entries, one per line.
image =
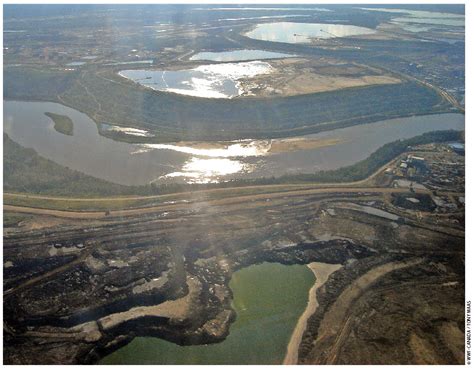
point(300, 144)
point(321, 271)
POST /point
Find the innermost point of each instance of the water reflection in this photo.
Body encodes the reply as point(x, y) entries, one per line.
point(123, 130)
point(424, 17)
point(265, 17)
point(239, 55)
point(410, 18)
point(76, 63)
point(202, 171)
point(210, 81)
point(137, 164)
point(247, 148)
point(431, 21)
point(290, 32)
point(266, 8)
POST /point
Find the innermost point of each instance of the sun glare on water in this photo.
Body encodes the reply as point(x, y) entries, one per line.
point(202, 171)
point(240, 149)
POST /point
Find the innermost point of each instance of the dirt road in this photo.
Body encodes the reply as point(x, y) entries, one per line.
point(208, 202)
point(273, 187)
point(336, 322)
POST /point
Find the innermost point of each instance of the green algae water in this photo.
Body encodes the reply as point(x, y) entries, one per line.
point(268, 298)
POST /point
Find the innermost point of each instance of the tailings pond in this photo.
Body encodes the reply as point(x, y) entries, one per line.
point(126, 163)
point(210, 81)
point(290, 32)
point(239, 55)
point(268, 298)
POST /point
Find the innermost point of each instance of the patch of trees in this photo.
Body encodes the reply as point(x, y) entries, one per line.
point(26, 171)
point(365, 168)
point(62, 123)
point(357, 171)
point(112, 99)
point(173, 116)
point(34, 84)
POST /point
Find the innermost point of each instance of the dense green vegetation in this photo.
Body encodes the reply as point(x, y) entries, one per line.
point(109, 98)
point(35, 84)
point(62, 123)
point(182, 117)
point(26, 171)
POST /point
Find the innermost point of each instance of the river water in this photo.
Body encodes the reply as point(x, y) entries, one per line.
point(135, 164)
point(268, 298)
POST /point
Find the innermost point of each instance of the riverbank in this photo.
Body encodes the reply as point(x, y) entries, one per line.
point(176, 168)
point(321, 271)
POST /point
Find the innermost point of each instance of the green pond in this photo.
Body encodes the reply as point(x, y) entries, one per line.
point(268, 298)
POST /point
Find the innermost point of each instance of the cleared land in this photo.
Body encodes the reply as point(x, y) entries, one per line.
point(98, 271)
point(334, 325)
point(120, 271)
point(402, 250)
point(232, 200)
point(292, 77)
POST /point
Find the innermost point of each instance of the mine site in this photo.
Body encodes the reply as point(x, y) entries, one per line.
point(234, 184)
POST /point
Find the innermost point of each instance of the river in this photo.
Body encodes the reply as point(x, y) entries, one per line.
point(134, 164)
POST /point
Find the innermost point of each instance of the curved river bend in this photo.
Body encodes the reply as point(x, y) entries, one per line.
point(135, 164)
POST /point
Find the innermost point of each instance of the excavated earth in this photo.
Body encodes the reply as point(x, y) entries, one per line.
point(77, 289)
